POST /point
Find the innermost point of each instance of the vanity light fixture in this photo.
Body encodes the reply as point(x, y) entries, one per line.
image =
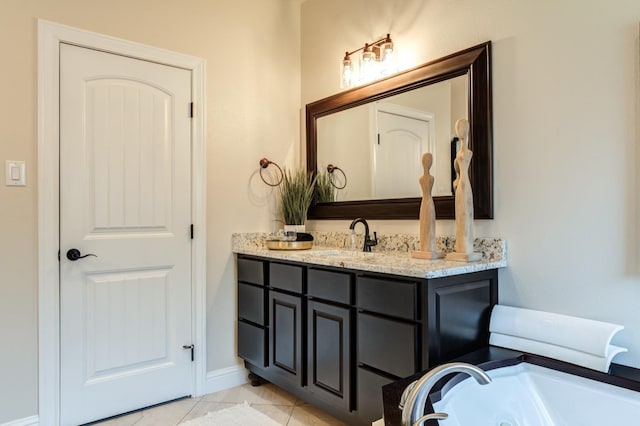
point(376, 61)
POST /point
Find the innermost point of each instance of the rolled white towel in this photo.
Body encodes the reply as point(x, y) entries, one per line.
point(580, 334)
point(576, 340)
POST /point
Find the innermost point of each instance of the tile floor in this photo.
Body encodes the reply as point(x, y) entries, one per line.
point(272, 401)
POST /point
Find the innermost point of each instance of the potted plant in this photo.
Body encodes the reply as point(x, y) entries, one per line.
point(296, 192)
point(326, 190)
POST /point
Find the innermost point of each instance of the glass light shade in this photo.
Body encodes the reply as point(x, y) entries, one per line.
point(388, 63)
point(368, 65)
point(346, 73)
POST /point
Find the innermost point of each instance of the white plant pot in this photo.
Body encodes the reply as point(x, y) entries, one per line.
point(295, 228)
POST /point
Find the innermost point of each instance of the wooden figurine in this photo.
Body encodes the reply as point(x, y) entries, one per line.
point(427, 214)
point(463, 200)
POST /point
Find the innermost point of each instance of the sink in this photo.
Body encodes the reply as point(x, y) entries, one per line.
point(339, 254)
point(342, 253)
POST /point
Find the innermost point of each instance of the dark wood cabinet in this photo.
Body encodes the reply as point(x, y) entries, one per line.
point(457, 312)
point(333, 336)
point(329, 365)
point(252, 318)
point(285, 336)
point(389, 345)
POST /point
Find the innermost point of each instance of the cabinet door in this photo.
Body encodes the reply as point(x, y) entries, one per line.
point(285, 336)
point(329, 353)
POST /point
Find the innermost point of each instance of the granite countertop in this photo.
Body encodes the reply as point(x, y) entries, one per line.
point(391, 256)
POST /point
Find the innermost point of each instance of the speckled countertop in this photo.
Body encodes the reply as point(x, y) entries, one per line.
point(390, 256)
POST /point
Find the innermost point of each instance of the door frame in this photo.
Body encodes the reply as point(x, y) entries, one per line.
point(50, 36)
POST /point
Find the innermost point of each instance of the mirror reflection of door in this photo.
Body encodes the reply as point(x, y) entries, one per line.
point(400, 137)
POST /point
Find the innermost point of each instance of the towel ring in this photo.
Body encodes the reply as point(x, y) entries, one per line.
point(330, 169)
point(264, 163)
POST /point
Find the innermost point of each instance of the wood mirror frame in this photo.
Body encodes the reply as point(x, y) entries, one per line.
point(474, 62)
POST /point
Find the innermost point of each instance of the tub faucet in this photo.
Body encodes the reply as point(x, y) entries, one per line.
point(414, 397)
point(368, 242)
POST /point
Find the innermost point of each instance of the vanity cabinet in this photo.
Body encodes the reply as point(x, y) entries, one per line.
point(330, 338)
point(334, 336)
point(286, 322)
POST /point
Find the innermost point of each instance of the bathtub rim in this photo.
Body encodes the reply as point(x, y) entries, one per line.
point(627, 381)
point(496, 356)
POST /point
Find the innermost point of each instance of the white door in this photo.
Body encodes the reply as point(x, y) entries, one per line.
point(125, 174)
point(398, 149)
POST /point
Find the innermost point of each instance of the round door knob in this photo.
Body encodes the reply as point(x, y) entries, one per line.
point(74, 254)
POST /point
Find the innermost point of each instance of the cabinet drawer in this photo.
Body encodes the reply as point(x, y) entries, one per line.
point(251, 303)
point(390, 297)
point(329, 285)
point(285, 277)
point(251, 271)
point(387, 345)
point(370, 404)
point(252, 344)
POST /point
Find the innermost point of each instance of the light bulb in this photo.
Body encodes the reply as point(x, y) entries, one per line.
point(367, 65)
point(347, 72)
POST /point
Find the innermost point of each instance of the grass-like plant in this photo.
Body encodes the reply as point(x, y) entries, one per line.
point(326, 190)
point(296, 192)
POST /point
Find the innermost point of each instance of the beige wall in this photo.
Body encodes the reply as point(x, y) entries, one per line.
point(565, 92)
point(565, 128)
point(253, 79)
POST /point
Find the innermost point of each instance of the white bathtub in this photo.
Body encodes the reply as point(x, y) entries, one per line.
point(530, 395)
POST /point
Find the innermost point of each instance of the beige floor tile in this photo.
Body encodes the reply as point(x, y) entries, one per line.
point(270, 400)
point(168, 414)
point(308, 415)
point(204, 407)
point(264, 394)
point(128, 420)
point(278, 413)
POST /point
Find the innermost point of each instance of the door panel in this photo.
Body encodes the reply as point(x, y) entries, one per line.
point(131, 142)
point(329, 353)
point(128, 308)
point(397, 152)
point(285, 342)
point(125, 197)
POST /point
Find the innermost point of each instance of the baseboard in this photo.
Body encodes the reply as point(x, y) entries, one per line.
point(225, 378)
point(27, 421)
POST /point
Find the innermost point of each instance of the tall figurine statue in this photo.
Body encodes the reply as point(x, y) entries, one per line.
point(463, 199)
point(427, 214)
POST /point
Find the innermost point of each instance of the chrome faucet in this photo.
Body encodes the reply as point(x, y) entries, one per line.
point(368, 242)
point(414, 397)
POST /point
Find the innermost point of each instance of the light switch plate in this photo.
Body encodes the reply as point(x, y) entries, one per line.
point(15, 173)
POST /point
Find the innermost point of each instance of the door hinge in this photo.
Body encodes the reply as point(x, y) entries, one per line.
point(191, 230)
point(192, 347)
point(58, 255)
point(378, 138)
point(191, 110)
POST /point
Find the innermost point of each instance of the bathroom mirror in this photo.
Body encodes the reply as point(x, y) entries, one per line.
point(343, 130)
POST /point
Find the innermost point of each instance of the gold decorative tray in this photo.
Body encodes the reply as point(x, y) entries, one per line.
point(289, 245)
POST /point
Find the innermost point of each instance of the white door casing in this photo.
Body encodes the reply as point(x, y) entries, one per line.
point(125, 197)
point(399, 138)
point(50, 37)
